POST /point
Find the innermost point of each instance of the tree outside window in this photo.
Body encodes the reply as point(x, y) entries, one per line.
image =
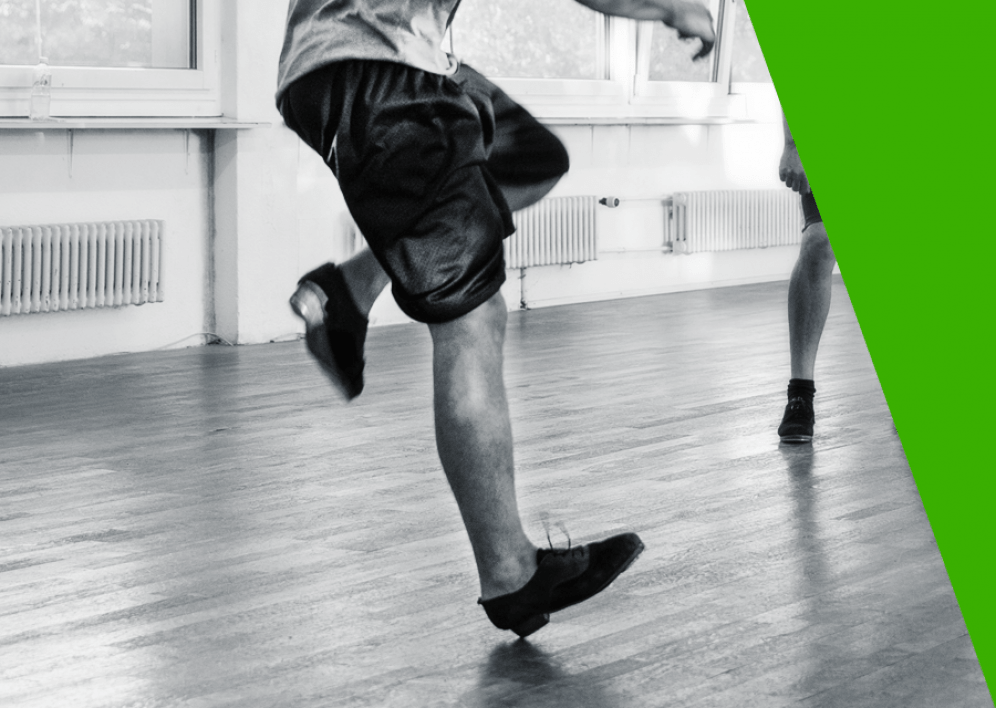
point(97, 33)
point(748, 60)
point(671, 57)
point(552, 39)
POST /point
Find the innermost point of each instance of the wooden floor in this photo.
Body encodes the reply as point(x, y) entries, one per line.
point(209, 527)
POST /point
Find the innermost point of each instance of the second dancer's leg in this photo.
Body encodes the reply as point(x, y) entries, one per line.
point(808, 306)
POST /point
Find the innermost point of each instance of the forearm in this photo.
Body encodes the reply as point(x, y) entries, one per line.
point(650, 10)
point(690, 18)
point(790, 170)
point(789, 140)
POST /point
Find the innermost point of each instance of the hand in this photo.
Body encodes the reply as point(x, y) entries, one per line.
point(790, 170)
point(692, 19)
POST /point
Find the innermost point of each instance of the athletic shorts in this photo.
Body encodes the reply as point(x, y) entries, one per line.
point(810, 210)
point(421, 159)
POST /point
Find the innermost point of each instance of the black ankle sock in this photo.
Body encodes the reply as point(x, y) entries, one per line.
point(801, 388)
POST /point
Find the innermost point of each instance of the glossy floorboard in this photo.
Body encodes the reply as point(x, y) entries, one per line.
point(210, 527)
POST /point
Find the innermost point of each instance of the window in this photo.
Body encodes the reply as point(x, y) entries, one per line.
point(671, 58)
point(567, 63)
point(111, 33)
point(748, 60)
point(669, 83)
point(553, 39)
point(749, 72)
point(111, 57)
point(553, 56)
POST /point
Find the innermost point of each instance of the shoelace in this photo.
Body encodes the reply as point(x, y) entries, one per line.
point(570, 550)
point(545, 518)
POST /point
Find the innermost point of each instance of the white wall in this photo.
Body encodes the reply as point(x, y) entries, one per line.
point(255, 183)
point(112, 175)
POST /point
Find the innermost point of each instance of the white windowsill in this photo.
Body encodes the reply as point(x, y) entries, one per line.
point(99, 123)
point(638, 120)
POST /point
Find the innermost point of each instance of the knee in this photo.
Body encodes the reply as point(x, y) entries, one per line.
point(560, 161)
point(816, 249)
point(482, 327)
point(538, 157)
point(553, 162)
point(486, 323)
point(467, 301)
point(468, 358)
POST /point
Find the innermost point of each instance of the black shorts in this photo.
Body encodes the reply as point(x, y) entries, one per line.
point(421, 159)
point(810, 211)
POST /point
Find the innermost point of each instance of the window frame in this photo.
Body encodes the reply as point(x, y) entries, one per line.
point(119, 92)
point(628, 95)
point(567, 98)
point(688, 99)
point(760, 98)
point(550, 98)
point(624, 94)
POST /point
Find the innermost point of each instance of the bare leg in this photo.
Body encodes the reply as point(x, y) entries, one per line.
point(365, 279)
point(473, 431)
point(474, 439)
point(809, 299)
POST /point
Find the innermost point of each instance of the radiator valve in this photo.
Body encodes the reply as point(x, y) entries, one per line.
point(610, 202)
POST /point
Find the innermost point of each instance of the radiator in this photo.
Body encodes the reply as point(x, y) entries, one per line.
point(554, 231)
point(733, 220)
point(78, 266)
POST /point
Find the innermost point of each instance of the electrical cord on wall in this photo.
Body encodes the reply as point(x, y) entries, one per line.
point(216, 339)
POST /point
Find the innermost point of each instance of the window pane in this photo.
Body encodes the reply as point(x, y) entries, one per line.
point(114, 33)
point(548, 39)
point(671, 58)
point(748, 61)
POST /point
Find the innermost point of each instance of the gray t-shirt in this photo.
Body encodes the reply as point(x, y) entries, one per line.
point(321, 32)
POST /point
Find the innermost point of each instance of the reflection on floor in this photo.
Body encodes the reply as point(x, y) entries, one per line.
point(209, 527)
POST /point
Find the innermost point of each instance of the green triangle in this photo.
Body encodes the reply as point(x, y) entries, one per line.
point(889, 105)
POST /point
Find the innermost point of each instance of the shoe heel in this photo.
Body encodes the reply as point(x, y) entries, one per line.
point(535, 622)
